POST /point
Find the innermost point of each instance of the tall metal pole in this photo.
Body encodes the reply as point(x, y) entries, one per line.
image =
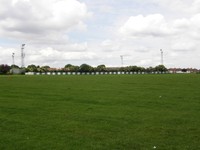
point(161, 56)
point(122, 60)
point(22, 56)
point(13, 58)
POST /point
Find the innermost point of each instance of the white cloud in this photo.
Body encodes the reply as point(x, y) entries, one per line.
point(177, 36)
point(180, 6)
point(109, 45)
point(44, 26)
point(54, 57)
point(151, 25)
point(184, 30)
point(195, 21)
point(183, 45)
point(182, 24)
point(6, 55)
point(30, 19)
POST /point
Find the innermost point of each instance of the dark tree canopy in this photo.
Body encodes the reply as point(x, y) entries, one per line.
point(85, 68)
point(4, 69)
point(160, 68)
point(32, 68)
point(101, 68)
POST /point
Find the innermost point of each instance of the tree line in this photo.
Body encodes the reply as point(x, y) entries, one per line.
point(5, 69)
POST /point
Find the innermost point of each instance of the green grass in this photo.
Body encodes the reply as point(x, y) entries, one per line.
point(111, 112)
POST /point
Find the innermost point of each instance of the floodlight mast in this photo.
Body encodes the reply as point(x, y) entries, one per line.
point(161, 56)
point(13, 58)
point(122, 60)
point(22, 56)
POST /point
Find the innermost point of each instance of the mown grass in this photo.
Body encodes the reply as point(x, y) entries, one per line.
point(100, 112)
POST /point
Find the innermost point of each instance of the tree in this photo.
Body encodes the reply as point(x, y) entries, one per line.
point(4, 69)
point(71, 68)
point(43, 69)
point(141, 69)
point(184, 70)
point(85, 68)
point(75, 68)
point(31, 68)
point(150, 70)
point(134, 68)
point(68, 66)
point(101, 68)
point(14, 66)
point(161, 68)
point(122, 69)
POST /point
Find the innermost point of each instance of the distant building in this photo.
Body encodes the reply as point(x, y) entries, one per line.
point(183, 70)
point(55, 69)
point(17, 71)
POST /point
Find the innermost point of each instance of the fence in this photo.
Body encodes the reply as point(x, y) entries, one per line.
point(92, 73)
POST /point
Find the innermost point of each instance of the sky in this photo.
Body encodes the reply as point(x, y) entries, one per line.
point(95, 32)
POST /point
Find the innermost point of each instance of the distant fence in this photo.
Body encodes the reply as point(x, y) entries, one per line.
point(92, 73)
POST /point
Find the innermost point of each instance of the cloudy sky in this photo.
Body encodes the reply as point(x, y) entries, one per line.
point(59, 32)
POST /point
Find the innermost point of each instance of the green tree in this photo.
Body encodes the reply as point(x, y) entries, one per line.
point(150, 69)
point(68, 66)
point(122, 68)
point(85, 68)
point(75, 68)
point(184, 70)
point(71, 68)
point(44, 69)
point(4, 69)
point(161, 68)
point(14, 66)
point(31, 68)
point(101, 68)
point(134, 68)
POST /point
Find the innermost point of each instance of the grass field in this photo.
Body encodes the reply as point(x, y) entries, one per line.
point(111, 112)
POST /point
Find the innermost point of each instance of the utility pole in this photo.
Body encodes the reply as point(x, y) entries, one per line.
point(161, 56)
point(22, 56)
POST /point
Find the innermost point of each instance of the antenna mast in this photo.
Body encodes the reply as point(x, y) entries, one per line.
point(22, 56)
